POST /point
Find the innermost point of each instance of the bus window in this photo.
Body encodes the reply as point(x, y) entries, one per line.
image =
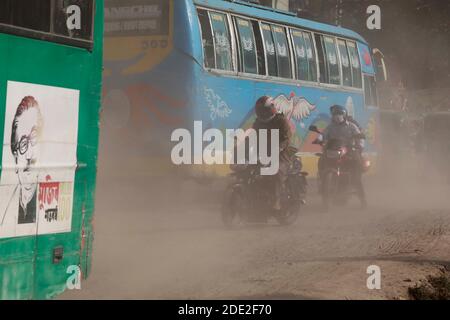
point(311, 55)
point(304, 56)
point(373, 89)
point(345, 62)
point(259, 48)
point(28, 14)
point(49, 20)
point(323, 64)
point(271, 54)
point(222, 41)
point(356, 65)
point(282, 49)
point(248, 60)
point(207, 39)
point(300, 55)
point(332, 60)
point(370, 91)
point(86, 11)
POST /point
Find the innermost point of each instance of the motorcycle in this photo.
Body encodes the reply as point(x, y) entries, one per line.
point(250, 197)
point(335, 176)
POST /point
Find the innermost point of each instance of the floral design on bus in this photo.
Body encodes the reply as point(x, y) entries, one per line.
point(218, 108)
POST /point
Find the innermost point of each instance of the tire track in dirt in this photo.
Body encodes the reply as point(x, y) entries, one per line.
point(415, 236)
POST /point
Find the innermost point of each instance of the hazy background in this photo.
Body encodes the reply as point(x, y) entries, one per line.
point(414, 37)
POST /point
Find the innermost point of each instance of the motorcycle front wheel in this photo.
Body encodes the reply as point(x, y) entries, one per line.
point(330, 188)
point(233, 209)
point(288, 216)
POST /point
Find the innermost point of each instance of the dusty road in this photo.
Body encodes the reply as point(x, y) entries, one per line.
point(164, 240)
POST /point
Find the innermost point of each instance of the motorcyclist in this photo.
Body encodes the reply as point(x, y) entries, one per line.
point(341, 128)
point(268, 118)
point(353, 120)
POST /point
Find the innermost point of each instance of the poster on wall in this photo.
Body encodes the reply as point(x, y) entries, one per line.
point(39, 160)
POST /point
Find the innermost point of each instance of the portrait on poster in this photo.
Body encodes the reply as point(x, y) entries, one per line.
point(38, 159)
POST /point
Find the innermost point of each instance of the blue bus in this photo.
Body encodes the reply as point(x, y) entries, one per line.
point(169, 63)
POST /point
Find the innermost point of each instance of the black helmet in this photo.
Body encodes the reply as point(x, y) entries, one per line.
point(265, 108)
point(338, 110)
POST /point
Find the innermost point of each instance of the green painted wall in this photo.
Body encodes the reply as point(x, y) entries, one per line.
point(26, 264)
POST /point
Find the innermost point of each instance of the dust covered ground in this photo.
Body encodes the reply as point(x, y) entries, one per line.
point(163, 239)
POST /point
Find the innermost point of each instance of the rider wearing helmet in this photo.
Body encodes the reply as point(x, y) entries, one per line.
point(341, 128)
point(353, 120)
point(269, 119)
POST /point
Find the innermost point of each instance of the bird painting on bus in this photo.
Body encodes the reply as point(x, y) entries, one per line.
point(294, 108)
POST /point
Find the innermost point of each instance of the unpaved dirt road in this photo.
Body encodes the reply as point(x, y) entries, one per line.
point(161, 239)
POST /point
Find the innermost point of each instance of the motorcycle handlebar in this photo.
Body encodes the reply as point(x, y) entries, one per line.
point(318, 142)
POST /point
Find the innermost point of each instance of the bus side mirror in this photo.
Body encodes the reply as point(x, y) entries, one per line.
point(381, 69)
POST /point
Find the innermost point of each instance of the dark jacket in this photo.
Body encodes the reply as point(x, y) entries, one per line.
point(282, 124)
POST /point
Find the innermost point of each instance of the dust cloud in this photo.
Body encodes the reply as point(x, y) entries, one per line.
point(160, 236)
